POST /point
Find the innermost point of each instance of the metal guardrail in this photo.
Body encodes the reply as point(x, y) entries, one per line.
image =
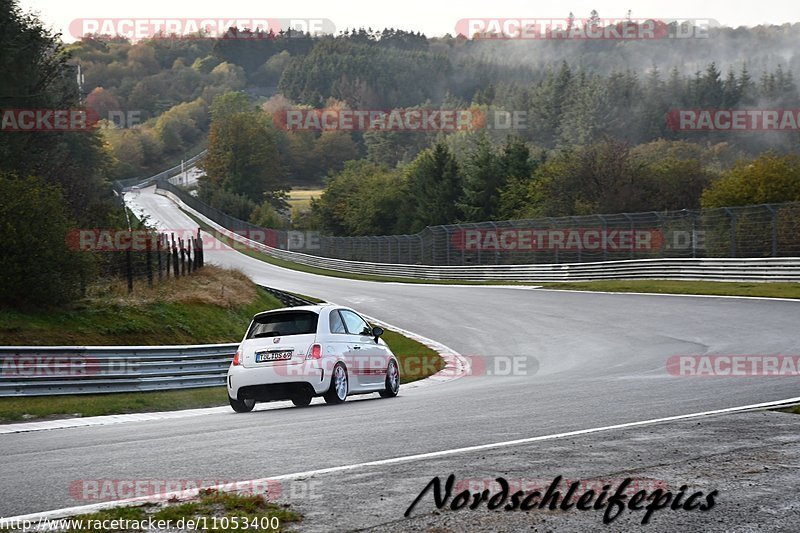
point(54, 370)
point(288, 299)
point(708, 269)
point(51, 370)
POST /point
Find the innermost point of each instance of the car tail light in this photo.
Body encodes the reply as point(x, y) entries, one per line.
point(237, 358)
point(315, 352)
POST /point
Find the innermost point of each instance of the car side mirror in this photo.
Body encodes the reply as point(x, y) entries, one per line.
point(377, 331)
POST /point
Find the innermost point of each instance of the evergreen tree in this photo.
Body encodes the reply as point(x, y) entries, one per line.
point(434, 186)
point(483, 179)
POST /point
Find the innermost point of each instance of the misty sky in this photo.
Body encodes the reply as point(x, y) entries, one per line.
point(430, 17)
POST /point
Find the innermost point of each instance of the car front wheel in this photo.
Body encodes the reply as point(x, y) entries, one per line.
point(337, 393)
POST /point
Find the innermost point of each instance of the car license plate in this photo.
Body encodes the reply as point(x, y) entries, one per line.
point(263, 357)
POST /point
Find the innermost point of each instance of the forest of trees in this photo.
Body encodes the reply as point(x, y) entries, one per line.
point(596, 137)
point(50, 182)
point(512, 182)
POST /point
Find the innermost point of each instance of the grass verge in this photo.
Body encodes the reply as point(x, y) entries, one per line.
point(711, 288)
point(48, 407)
point(416, 360)
point(213, 305)
point(211, 510)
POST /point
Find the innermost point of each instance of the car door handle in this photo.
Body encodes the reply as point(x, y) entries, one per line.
point(356, 347)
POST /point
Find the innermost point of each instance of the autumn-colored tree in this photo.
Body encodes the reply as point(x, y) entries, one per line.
point(769, 178)
point(102, 102)
point(243, 154)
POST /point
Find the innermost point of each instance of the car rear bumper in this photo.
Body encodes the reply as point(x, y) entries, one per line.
point(277, 382)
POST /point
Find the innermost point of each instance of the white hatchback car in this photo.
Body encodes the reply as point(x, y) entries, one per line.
point(298, 353)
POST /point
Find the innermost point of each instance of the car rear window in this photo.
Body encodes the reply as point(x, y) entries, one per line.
point(283, 324)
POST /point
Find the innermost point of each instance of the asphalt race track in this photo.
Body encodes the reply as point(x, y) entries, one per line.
point(595, 360)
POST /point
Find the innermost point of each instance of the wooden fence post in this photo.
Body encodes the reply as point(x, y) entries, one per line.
point(175, 265)
point(158, 254)
point(168, 253)
point(183, 257)
point(149, 258)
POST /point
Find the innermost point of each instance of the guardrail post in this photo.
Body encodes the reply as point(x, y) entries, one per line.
point(774, 214)
point(605, 229)
point(553, 225)
point(496, 253)
point(447, 243)
point(732, 214)
point(397, 240)
point(633, 240)
point(576, 221)
point(463, 247)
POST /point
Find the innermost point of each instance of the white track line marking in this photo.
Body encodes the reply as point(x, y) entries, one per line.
point(104, 420)
point(72, 511)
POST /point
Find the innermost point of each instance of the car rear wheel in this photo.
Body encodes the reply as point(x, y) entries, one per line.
point(242, 406)
point(337, 393)
point(302, 400)
point(392, 381)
